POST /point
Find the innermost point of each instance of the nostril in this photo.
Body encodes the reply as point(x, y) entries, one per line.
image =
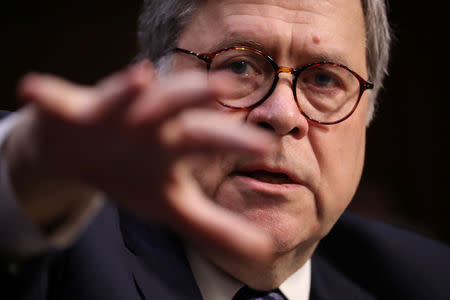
point(266, 126)
point(294, 131)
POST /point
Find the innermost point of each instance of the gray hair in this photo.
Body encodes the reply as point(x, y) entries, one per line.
point(161, 23)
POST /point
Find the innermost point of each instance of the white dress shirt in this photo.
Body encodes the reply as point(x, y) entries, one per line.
point(215, 284)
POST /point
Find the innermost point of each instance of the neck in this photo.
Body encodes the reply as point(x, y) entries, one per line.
point(266, 276)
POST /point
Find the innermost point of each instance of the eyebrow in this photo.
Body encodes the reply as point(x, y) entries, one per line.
point(233, 40)
point(329, 57)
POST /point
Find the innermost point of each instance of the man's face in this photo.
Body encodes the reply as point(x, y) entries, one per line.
point(299, 191)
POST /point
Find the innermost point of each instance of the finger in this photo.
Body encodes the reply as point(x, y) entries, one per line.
point(69, 101)
point(172, 95)
point(208, 130)
point(116, 92)
point(216, 229)
point(52, 94)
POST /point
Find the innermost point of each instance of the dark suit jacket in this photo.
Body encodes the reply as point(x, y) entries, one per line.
point(119, 257)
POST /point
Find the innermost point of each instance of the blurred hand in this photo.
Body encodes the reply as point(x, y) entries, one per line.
point(130, 136)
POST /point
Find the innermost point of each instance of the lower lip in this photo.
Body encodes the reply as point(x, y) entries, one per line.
point(266, 187)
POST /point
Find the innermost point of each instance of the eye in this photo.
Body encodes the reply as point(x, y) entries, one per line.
point(239, 67)
point(324, 80)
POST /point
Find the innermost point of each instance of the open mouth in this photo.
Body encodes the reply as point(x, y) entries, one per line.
point(265, 176)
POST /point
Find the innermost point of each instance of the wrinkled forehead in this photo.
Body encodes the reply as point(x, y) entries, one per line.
point(275, 26)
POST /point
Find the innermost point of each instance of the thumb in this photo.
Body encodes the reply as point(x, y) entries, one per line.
point(213, 228)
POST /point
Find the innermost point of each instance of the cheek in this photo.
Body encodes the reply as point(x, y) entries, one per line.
point(340, 154)
point(289, 219)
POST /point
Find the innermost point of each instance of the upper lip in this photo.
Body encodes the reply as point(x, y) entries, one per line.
point(275, 170)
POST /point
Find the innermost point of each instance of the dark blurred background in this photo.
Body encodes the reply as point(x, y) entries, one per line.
point(405, 180)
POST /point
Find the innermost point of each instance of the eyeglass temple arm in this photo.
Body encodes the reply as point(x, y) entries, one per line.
point(368, 85)
point(365, 85)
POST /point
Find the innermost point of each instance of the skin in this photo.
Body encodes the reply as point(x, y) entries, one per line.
point(326, 161)
point(160, 150)
point(132, 137)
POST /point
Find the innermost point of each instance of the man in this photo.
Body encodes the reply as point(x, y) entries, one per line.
point(247, 140)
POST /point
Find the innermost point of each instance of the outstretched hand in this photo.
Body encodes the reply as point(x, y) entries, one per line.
point(130, 136)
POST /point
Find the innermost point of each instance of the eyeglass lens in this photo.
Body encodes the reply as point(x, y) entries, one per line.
point(325, 92)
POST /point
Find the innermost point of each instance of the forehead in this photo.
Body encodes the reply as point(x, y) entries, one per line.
point(286, 27)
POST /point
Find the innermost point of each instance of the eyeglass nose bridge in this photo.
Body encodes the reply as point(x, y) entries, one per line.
point(294, 72)
point(286, 70)
point(281, 69)
point(278, 70)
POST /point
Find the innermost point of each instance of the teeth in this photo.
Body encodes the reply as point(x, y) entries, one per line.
point(264, 176)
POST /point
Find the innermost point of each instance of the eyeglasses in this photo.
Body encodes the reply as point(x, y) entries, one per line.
point(325, 92)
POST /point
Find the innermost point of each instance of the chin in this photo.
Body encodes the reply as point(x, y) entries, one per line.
point(288, 231)
point(291, 222)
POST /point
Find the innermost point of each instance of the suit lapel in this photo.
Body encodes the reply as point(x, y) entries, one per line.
point(158, 263)
point(327, 283)
point(161, 271)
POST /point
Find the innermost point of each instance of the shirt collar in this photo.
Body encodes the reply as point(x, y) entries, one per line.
point(298, 285)
point(215, 284)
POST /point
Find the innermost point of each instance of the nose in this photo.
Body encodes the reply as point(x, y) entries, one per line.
point(280, 112)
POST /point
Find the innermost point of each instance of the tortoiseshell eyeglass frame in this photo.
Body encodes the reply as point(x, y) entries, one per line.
point(209, 57)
